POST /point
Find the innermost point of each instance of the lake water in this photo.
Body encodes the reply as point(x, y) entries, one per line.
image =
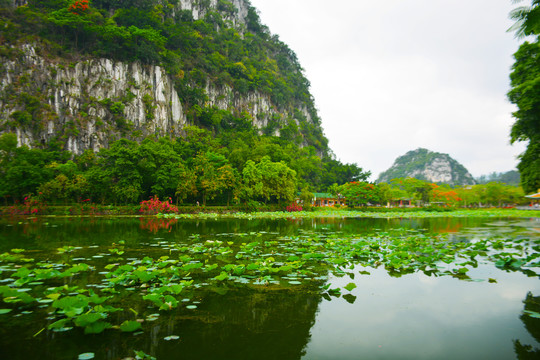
point(289, 299)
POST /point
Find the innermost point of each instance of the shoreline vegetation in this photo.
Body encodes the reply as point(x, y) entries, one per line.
point(272, 212)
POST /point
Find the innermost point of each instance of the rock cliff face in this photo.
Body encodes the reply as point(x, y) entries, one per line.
point(200, 8)
point(88, 103)
point(429, 166)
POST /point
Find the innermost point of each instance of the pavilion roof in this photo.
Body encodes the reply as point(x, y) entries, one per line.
point(324, 195)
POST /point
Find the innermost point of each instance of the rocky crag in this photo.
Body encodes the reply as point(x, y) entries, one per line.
point(430, 166)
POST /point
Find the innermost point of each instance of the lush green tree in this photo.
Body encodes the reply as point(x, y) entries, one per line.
point(308, 166)
point(267, 181)
point(469, 197)
point(76, 21)
point(209, 168)
point(306, 197)
point(498, 194)
point(491, 194)
point(68, 185)
point(529, 167)
point(118, 170)
point(186, 183)
point(23, 169)
point(525, 94)
point(65, 188)
point(414, 188)
point(386, 193)
point(360, 193)
point(339, 173)
point(196, 141)
point(8, 146)
point(227, 177)
point(157, 163)
point(279, 181)
point(251, 187)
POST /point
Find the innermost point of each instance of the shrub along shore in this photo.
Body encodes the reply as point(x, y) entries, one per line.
point(266, 211)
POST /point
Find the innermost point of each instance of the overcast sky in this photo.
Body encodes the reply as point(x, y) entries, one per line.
point(389, 76)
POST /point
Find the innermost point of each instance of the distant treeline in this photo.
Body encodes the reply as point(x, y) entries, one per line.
point(510, 178)
point(410, 191)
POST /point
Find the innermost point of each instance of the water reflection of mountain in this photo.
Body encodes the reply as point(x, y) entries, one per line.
point(532, 324)
point(242, 324)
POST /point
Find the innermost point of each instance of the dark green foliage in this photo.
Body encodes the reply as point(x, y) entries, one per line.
point(23, 170)
point(23, 118)
point(31, 113)
point(226, 7)
point(253, 21)
point(337, 173)
point(149, 107)
point(510, 177)
point(525, 94)
point(198, 167)
point(529, 167)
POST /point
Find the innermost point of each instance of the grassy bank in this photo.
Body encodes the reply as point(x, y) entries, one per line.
point(265, 211)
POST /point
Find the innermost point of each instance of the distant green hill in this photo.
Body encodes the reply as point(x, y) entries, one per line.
point(430, 166)
point(510, 177)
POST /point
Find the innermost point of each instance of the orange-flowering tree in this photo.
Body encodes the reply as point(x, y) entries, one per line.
point(77, 20)
point(78, 7)
point(447, 196)
point(360, 193)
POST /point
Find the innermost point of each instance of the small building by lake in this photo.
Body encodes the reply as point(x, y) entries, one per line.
point(327, 199)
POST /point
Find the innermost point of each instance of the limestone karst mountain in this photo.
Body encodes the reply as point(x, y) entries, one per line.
point(427, 165)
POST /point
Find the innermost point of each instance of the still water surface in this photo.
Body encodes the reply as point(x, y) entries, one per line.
point(387, 316)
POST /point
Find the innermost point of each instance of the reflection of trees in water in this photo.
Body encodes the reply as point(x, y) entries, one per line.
point(532, 324)
point(245, 324)
point(51, 233)
point(367, 225)
point(47, 233)
point(154, 224)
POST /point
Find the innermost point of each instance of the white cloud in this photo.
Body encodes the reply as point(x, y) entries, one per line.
point(391, 76)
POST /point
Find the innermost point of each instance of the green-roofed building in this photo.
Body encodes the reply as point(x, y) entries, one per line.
point(326, 199)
